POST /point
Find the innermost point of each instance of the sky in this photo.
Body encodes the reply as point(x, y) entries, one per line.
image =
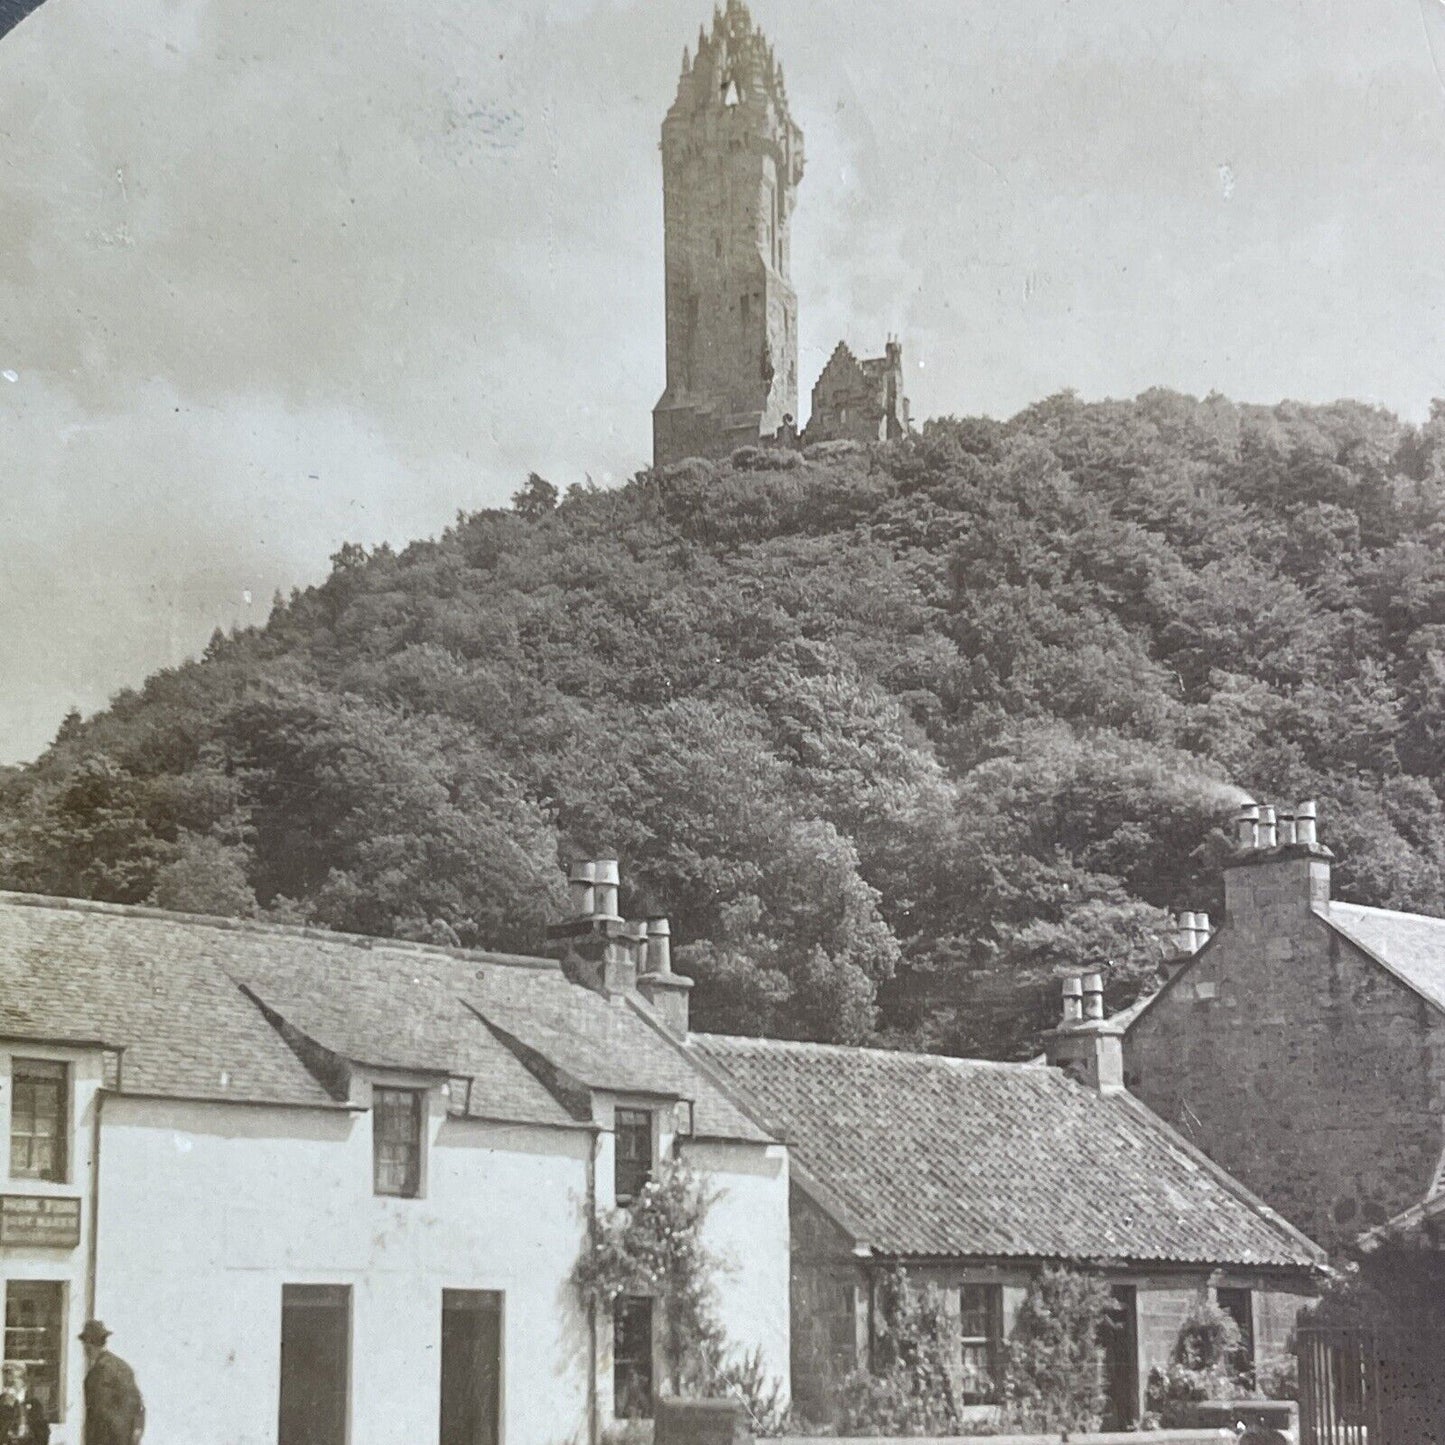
point(277, 277)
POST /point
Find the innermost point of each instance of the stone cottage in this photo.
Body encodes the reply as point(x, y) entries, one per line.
point(975, 1175)
point(1303, 1046)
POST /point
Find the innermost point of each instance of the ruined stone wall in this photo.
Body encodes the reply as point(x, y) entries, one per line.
point(1295, 1061)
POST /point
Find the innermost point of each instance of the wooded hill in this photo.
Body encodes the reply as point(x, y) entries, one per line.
point(894, 735)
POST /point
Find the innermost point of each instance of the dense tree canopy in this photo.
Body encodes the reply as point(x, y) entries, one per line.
point(894, 734)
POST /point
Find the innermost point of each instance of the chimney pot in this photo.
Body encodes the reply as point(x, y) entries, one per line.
point(1286, 828)
point(1073, 1000)
point(1247, 826)
point(659, 946)
point(608, 882)
point(1093, 996)
point(1306, 816)
point(1267, 837)
point(1202, 930)
point(581, 878)
point(1185, 940)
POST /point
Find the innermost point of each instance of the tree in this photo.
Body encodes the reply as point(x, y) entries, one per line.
point(536, 499)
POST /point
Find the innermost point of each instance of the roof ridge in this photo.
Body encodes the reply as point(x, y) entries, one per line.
point(870, 1049)
point(266, 928)
point(1385, 912)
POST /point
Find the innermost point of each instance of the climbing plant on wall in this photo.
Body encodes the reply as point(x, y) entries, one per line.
point(654, 1247)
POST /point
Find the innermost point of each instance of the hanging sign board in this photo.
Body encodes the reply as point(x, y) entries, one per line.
point(43, 1223)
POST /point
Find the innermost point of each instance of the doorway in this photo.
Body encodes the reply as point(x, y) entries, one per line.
point(1121, 1359)
point(471, 1386)
point(315, 1364)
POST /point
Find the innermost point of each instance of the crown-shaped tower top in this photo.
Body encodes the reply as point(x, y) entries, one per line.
point(735, 66)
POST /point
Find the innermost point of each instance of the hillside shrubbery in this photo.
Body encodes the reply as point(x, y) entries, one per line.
point(893, 734)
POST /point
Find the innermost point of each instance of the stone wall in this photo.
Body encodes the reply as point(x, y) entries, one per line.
point(1294, 1060)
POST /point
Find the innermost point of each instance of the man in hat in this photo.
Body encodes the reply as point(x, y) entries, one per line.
point(114, 1411)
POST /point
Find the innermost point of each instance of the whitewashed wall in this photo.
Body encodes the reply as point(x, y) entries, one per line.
point(747, 1228)
point(207, 1210)
point(67, 1266)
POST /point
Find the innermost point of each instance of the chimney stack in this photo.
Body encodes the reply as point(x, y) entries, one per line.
point(1086, 1044)
point(665, 990)
point(1279, 864)
point(597, 948)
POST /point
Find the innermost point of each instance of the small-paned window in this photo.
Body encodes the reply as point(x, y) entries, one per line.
point(396, 1141)
point(632, 1358)
point(980, 1319)
point(633, 1128)
point(39, 1095)
point(35, 1336)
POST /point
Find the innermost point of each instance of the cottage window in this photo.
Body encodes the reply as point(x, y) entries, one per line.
point(34, 1336)
point(1239, 1306)
point(396, 1141)
point(38, 1096)
point(980, 1319)
point(633, 1168)
point(632, 1358)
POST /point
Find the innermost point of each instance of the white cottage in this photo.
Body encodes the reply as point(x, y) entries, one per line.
point(333, 1189)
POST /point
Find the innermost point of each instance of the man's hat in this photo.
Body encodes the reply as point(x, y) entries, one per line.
point(94, 1333)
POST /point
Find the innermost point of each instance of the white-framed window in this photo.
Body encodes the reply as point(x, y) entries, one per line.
point(39, 1119)
point(633, 1165)
point(980, 1327)
point(397, 1120)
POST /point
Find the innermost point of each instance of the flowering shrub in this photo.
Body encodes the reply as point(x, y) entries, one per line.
point(1053, 1363)
point(1203, 1366)
point(654, 1247)
point(911, 1389)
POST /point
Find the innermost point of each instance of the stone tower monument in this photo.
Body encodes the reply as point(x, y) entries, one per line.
point(731, 162)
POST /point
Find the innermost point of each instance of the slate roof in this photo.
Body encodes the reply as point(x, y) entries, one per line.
point(87, 972)
point(942, 1157)
point(1410, 945)
point(187, 1000)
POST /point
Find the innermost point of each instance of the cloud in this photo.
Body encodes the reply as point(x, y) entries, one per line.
point(273, 276)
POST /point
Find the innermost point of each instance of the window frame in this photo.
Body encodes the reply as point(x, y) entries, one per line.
point(1241, 1297)
point(987, 1310)
point(51, 1376)
point(44, 1072)
point(630, 1175)
point(642, 1360)
point(383, 1097)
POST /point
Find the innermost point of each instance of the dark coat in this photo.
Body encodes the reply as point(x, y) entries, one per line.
point(114, 1411)
point(31, 1413)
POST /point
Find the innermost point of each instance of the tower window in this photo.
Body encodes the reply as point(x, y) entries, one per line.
point(746, 307)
